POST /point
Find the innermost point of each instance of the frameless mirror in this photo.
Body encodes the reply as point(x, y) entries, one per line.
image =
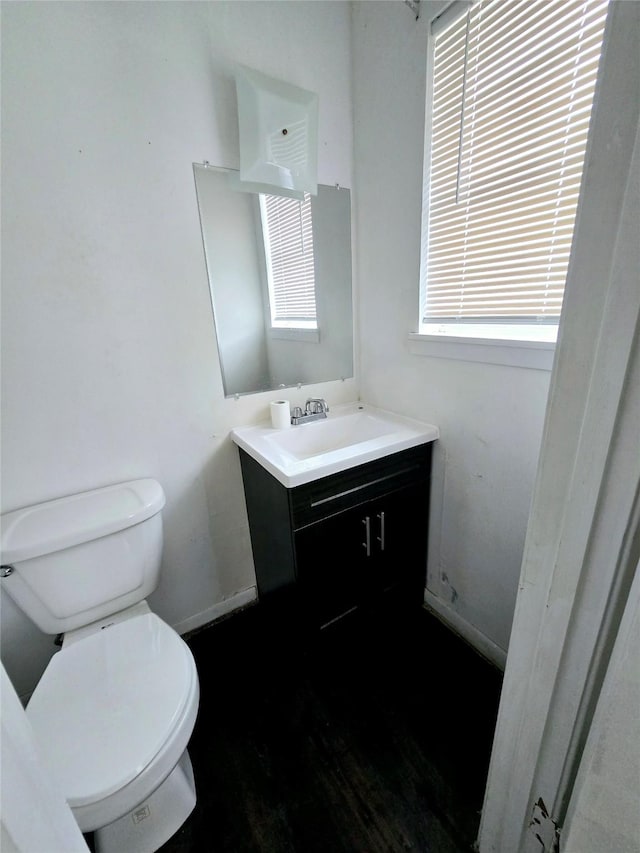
point(280, 282)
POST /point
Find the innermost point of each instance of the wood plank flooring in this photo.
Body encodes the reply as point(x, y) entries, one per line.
point(373, 736)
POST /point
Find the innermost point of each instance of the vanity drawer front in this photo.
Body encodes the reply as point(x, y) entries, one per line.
point(337, 492)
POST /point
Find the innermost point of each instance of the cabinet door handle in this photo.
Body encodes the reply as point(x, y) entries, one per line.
point(367, 535)
point(381, 537)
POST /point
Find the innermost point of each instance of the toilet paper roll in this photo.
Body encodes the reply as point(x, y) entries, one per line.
point(280, 414)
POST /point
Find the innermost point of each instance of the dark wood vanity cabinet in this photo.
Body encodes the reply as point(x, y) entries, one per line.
point(348, 541)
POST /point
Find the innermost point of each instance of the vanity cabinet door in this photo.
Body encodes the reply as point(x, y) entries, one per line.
point(399, 541)
point(330, 564)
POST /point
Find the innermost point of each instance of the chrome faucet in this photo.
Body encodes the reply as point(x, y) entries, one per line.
point(316, 406)
point(315, 409)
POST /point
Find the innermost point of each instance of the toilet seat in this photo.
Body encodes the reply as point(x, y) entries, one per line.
point(113, 712)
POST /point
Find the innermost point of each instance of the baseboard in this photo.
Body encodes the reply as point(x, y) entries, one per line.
point(486, 647)
point(222, 608)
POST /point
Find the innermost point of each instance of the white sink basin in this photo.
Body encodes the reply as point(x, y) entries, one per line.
point(308, 440)
point(349, 436)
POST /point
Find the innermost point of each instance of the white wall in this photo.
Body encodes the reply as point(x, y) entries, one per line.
point(110, 368)
point(490, 416)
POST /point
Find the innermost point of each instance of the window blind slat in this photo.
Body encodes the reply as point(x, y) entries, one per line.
point(507, 152)
point(531, 45)
point(516, 196)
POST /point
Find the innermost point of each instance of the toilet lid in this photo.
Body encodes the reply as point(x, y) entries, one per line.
point(108, 703)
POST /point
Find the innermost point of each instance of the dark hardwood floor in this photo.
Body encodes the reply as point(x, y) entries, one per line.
point(374, 735)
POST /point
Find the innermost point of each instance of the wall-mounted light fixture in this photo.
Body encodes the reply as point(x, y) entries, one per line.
point(278, 126)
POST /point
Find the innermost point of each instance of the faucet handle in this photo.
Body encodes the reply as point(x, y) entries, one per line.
point(316, 405)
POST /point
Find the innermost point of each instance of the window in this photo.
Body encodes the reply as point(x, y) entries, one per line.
point(512, 90)
point(288, 242)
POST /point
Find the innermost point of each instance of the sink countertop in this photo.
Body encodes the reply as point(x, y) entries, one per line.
point(351, 435)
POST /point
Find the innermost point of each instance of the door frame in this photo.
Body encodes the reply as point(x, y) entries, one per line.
point(582, 542)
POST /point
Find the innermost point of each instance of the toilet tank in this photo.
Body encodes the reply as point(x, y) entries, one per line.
point(83, 557)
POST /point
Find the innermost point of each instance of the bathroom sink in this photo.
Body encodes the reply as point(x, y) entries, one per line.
point(319, 437)
point(350, 435)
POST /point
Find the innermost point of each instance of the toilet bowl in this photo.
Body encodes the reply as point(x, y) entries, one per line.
point(116, 706)
point(113, 713)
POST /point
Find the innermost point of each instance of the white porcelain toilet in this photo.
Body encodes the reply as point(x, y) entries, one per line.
point(115, 708)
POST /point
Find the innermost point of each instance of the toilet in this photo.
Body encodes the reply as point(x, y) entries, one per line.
point(116, 706)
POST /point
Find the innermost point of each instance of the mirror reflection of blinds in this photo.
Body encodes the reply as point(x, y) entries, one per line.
point(512, 95)
point(290, 263)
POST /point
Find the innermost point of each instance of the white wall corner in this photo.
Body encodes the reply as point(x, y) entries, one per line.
point(480, 642)
point(217, 611)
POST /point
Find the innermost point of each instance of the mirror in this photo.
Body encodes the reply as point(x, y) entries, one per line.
point(263, 347)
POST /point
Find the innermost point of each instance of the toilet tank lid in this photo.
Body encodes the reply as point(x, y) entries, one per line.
point(61, 523)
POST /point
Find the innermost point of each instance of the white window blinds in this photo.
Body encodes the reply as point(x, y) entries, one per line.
point(290, 264)
point(513, 84)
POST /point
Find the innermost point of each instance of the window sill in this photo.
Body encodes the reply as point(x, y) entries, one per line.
point(311, 336)
point(534, 355)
